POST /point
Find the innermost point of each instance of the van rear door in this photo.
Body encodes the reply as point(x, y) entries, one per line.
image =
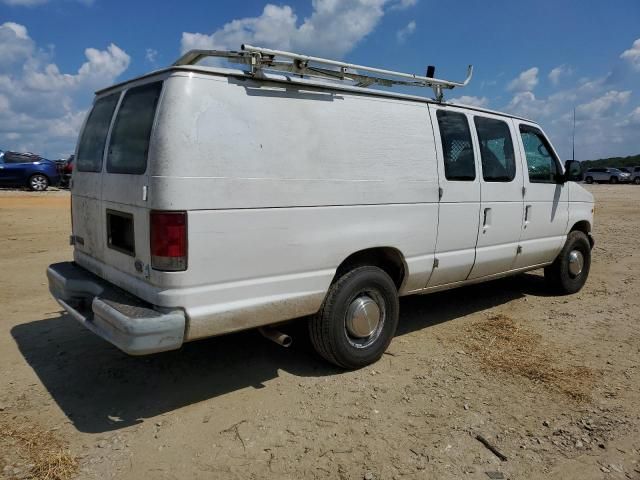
point(86, 185)
point(110, 203)
point(125, 181)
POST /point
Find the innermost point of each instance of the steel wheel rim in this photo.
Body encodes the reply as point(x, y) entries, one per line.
point(38, 183)
point(576, 263)
point(364, 319)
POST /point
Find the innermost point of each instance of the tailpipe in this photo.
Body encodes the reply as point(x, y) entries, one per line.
point(276, 336)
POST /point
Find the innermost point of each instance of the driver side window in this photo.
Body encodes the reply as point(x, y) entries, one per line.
point(541, 164)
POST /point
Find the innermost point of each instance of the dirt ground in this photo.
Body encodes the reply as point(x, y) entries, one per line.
point(552, 382)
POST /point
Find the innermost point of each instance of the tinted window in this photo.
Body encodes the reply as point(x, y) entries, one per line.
point(14, 157)
point(131, 132)
point(459, 162)
point(541, 164)
point(94, 136)
point(496, 149)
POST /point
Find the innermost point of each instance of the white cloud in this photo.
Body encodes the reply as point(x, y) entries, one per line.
point(151, 55)
point(525, 82)
point(333, 29)
point(100, 65)
point(15, 44)
point(633, 55)
point(42, 108)
point(604, 126)
point(470, 100)
point(527, 105)
point(557, 73)
point(406, 31)
point(603, 105)
point(404, 4)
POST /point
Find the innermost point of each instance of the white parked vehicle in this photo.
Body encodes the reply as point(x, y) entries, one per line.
point(208, 200)
point(607, 175)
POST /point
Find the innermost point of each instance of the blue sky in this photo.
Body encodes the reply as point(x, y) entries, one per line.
point(538, 59)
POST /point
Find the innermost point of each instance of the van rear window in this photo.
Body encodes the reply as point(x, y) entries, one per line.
point(94, 135)
point(129, 143)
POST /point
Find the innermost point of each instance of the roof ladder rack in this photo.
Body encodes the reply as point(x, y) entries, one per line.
point(261, 59)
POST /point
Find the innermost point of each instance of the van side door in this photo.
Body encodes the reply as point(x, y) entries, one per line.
point(459, 206)
point(546, 198)
point(501, 204)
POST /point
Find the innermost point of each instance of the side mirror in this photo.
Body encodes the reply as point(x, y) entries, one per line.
point(572, 171)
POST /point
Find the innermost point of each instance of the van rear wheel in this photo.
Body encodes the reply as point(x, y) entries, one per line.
point(358, 318)
point(569, 272)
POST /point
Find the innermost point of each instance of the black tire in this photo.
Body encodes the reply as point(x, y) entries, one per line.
point(38, 182)
point(328, 328)
point(559, 276)
point(636, 180)
point(613, 180)
point(589, 180)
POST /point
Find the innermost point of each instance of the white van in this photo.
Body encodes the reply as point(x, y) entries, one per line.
point(208, 200)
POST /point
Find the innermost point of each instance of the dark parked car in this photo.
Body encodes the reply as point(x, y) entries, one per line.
point(635, 175)
point(27, 169)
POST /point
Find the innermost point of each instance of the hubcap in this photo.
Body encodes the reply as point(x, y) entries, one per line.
point(363, 317)
point(38, 183)
point(576, 262)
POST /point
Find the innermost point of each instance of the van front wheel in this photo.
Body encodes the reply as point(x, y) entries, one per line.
point(358, 318)
point(569, 272)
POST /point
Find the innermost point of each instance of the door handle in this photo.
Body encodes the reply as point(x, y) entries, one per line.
point(527, 215)
point(486, 223)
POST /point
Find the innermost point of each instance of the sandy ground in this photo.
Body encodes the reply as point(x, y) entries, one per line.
point(552, 382)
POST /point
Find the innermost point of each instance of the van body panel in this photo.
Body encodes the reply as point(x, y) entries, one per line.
point(581, 207)
point(256, 145)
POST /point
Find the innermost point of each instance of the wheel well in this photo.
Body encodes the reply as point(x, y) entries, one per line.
point(387, 258)
point(584, 227)
point(39, 173)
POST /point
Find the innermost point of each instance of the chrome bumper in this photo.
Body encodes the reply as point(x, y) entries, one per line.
point(128, 322)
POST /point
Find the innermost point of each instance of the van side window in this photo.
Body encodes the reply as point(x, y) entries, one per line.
point(496, 150)
point(541, 163)
point(459, 163)
point(94, 135)
point(132, 130)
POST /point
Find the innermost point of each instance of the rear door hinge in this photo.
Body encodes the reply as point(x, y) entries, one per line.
point(440, 193)
point(524, 191)
point(436, 263)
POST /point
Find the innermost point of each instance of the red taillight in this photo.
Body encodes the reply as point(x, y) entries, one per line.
point(168, 241)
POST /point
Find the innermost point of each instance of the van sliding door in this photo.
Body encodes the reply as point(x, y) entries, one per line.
point(502, 207)
point(459, 207)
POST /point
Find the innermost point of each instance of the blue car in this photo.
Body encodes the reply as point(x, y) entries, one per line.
point(27, 169)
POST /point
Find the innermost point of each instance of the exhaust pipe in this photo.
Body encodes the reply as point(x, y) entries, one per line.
point(276, 336)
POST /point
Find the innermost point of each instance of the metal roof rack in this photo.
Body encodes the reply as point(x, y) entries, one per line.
point(261, 59)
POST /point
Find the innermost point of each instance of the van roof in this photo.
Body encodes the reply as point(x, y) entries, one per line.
point(292, 79)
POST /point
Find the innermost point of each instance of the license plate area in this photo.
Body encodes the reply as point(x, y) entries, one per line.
point(120, 233)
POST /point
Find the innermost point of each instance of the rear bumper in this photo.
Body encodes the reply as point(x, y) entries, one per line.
point(128, 322)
